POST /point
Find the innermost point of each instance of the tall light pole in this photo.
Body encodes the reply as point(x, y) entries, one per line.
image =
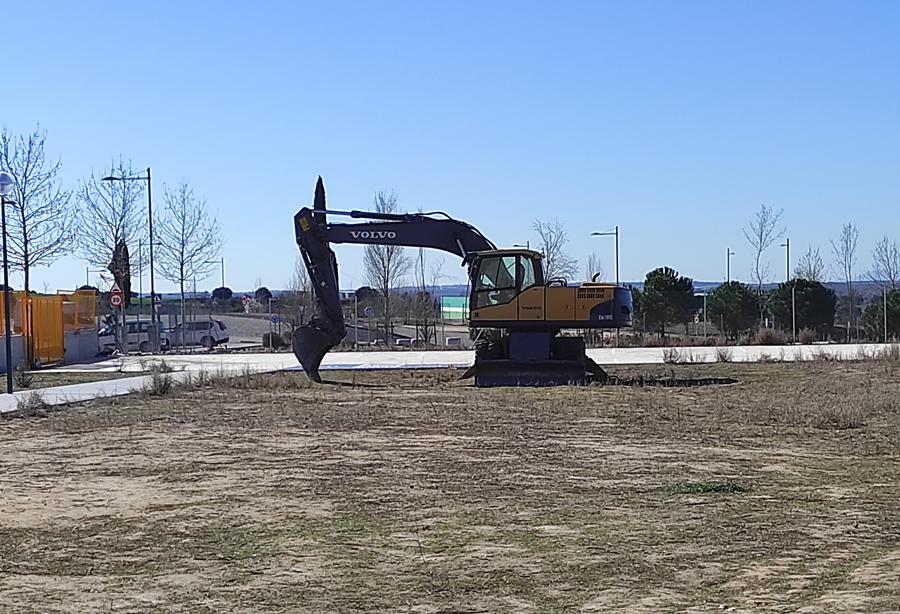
point(728, 255)
point(87, 274)
point(787, 272)
point(609, 234)
point(221, 262)
point(7, 184)
point(787, 278)
point(155, 337)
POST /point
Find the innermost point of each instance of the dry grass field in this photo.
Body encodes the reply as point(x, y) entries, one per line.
point(414, 492)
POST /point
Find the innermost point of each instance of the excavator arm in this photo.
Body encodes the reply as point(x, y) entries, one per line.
point(315, 234)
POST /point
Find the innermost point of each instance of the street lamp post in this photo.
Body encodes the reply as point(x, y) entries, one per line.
point(526, 246)
point(7, 184)
point(221, 263)
point(787, 270)
point(608, 234)
point(728, 255)
point(87, 274)
point(155, 337)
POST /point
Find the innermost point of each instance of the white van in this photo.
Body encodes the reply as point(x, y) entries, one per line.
point(208, 333)
point(137, 335)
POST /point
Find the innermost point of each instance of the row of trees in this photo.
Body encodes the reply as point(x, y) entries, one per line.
point(103, 220)
point(667, 298)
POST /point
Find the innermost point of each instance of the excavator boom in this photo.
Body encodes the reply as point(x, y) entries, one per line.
point(315, 234)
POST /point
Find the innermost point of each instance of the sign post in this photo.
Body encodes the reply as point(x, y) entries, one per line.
point(117, 301)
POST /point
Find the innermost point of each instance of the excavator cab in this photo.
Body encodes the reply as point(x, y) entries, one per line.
point(500, 276)
point(509, 291)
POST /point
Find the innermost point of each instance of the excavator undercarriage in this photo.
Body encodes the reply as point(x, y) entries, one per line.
point(533, 359)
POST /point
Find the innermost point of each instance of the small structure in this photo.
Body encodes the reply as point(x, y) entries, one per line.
point(51, 329)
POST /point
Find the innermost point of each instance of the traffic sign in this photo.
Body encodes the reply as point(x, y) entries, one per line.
point(157, 299)
point(369, 312)
point(115, 295)
point(274, 319)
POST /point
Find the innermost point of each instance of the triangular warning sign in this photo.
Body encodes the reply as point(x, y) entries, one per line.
point(115, 288)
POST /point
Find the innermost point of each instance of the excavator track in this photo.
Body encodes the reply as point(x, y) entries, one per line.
point(533, 359)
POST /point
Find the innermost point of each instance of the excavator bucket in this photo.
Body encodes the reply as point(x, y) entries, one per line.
point(310, 345)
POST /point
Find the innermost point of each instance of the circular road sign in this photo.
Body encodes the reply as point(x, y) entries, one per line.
point(274, 319)
point(115, 300)
point(369, 312)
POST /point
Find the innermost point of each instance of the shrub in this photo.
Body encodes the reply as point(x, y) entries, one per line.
point(889, 353)
point(806, 336)
point(22, 376)
point(156, 366)
point(273, 340)
point(769, 336)
point(160, 384)
point(31, 405)
point(724, 354)
point(672, 356)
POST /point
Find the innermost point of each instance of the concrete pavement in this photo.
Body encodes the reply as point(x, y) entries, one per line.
point(214, 364)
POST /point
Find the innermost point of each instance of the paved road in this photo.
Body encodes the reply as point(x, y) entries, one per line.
point(227, 364)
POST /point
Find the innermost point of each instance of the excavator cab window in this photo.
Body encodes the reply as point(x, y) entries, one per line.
point(526, 272)
point(500, 279)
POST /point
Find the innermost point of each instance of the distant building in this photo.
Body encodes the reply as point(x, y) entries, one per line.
point(454, 307)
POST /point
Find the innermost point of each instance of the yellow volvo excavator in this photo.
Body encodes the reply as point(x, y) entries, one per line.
point(509, 295)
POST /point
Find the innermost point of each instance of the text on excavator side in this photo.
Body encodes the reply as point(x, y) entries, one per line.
point(373, 234)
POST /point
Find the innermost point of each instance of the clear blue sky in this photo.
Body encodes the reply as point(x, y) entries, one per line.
point(673, 120)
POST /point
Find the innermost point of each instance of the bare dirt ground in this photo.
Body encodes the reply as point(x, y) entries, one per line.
point(414, 492)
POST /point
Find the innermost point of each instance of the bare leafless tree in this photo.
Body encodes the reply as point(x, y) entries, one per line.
point(557, 262)
point(886, 263)
point(112, 215)
point(298, 300)
point(810, 266)
point(41, 220)
point(594, 267)
point(385, 265)
point(187, 240)
point(424, 302)
point(844, 250)
point(763, 232)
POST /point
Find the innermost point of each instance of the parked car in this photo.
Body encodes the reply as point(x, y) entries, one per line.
point(137, 334)
point(208, 333)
